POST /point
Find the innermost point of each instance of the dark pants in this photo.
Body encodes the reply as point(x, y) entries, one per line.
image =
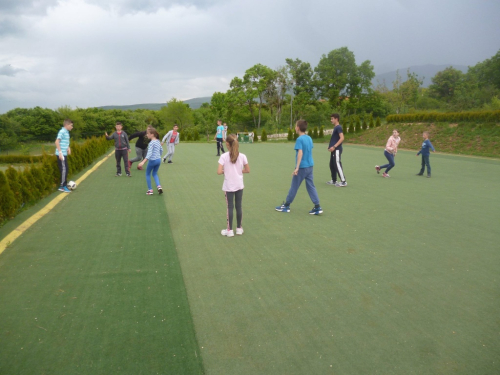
point(141, 154)
point(336, 165)
point(392, 163)
point(303, 174)
point(220, 146)
point(236, 196)
point(425, 162)
point(63, 168)
point(119, 154)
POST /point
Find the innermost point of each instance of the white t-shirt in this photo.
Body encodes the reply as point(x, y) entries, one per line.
point(233, 173)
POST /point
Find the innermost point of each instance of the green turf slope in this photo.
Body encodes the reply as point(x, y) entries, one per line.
point(95, 287)
point(398, 276)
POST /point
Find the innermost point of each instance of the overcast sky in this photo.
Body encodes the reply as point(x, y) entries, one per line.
point(82, 53)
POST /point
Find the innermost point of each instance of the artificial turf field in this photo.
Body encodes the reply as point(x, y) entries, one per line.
point(397, 276)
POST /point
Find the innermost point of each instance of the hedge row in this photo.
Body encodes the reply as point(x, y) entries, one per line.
point(36, 181)
point(484, 116)
point(16, 159)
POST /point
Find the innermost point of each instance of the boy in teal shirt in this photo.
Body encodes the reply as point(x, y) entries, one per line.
point(303, 171)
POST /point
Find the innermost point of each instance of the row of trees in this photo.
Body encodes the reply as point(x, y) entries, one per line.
point(451, 90)
point(276, 98)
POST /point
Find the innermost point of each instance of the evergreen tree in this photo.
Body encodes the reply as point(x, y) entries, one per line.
point(315, 132)
point(290, 135)
point(13, 178)
point(7, 198)
point(263, 135)
point(321, 132)
point(377, 123)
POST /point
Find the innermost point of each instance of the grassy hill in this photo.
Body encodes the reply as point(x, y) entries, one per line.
point(463, 138)
point(194, 103)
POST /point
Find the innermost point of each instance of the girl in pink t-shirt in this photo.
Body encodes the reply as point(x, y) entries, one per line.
point(391, 148)
point(233, 164)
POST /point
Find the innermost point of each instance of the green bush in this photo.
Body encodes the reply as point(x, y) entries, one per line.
point(196, 135)
point(263, 136)
point(15, 159)
point(471, 116)
point(7, 198)
point(295, 135)
point(358, 126)
point(372, 124)
point(255, 136)
point(290, 135)
point(321, 132)
point(377, 123)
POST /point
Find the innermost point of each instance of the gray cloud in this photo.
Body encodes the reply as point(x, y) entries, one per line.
point(26, 6)
point(81, 53)
point(8, 70)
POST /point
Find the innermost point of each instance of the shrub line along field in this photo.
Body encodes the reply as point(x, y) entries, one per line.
point(397, 276)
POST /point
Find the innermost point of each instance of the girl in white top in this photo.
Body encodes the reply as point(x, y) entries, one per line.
point(233, 164)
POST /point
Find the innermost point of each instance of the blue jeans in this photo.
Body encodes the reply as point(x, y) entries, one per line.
point(153, 166)
point(390, 158)
point(304, 174)
point(425, 162)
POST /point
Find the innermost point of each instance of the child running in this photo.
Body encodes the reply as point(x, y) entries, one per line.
point(426, 152)
point(154, 157)
point(233, 164)
point(391, 148)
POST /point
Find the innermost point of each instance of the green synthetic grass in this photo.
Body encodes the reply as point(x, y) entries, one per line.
point(95, 287)
point(397, 276)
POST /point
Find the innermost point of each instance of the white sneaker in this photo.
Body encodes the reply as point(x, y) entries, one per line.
point(239, 231)
point(330, 182)
point(227, 233)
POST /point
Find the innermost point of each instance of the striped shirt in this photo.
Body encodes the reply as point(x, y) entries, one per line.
point(63, 137)
point(154, 150)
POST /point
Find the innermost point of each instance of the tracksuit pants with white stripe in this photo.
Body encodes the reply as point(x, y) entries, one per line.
point(63, 168)
point(336, 165)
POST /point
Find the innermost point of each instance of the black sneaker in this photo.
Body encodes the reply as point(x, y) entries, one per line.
point(160, 190)
point(283, 208)
point(164, 160)
point(129, 175)
point(428, 176)
point(419, 174)
point(170, 162)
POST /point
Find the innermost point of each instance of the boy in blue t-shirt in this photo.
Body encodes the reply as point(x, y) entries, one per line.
point(303, 170)
point(219, 136)
point(62, 152)
point(425, 151)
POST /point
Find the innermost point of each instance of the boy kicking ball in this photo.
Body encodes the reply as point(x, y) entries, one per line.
point(303, 171)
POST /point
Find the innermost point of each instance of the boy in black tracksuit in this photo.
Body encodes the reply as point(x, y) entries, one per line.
point(335, 147)
point(141, 147)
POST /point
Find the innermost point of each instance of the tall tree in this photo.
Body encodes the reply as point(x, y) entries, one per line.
point(258, 79)
point(177, 112)
point(445, 84)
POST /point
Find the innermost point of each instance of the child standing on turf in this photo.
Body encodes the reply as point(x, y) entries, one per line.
point(171, 139)
point(391, 148)
point(219, 136)
point(62, 152)
point(303, 170)
point(154, 160)
point(233, 164)
point(122, 148)
point(425, 151)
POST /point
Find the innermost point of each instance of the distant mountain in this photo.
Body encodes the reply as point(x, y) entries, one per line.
point(427, 72)
point(194, 103)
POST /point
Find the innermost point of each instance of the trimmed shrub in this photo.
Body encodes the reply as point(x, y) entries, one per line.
point(377, 123)
point(7, 198)
point(471, 116)
point(16, 159)
point(13, 178)
point(255, 136)
point(263, 136)
point(321, 132)
point(358, 126)
point(372, 124)
point(290, 135)
point(196, 135)
point(315, 132)
point(295, 135)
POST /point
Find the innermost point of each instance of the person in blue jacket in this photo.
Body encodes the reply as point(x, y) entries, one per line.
point(426, 151)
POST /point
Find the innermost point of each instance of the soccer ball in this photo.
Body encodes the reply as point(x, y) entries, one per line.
point(72, 185)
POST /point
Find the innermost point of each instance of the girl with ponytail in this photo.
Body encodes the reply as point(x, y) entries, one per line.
point(232, 165)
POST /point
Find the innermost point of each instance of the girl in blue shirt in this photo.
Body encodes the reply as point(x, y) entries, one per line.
point(154, 160)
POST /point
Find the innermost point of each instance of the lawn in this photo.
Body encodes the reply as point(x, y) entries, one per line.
point(397, 275)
